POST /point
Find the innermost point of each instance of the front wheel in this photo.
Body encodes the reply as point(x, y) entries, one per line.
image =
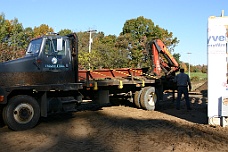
point(21, 113)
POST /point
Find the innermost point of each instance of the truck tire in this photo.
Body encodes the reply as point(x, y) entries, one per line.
point(22, 112)
point(136, 99)
point(2, 124)
point(148, 98)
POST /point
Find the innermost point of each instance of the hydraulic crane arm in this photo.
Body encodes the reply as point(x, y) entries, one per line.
point(161, 59)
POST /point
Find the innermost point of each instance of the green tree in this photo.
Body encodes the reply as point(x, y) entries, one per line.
point(204, 69)
point(177, 57)
point(16, 32)
point(43, 29)
point(12, 38)
point(138, 27)
point(106, 54)
point(4, 27)
point(124, 46)
point(83, 50)
point(65, 32)
point(28, 35)
point(141, 31)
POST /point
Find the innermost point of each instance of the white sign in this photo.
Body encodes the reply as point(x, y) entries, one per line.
point(217, 66)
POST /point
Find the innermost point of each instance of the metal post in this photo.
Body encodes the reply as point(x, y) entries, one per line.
point(189, 63)
point(90, 42)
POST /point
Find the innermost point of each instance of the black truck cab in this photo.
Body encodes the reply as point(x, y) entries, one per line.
point(44, 81)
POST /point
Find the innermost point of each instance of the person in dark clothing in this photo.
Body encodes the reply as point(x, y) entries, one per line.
point(183, 82)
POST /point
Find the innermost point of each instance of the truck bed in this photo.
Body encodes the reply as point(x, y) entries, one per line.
point(110, 77)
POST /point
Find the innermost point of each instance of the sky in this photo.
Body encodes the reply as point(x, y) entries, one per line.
point(186, 19)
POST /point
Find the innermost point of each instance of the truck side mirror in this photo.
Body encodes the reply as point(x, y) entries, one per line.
point(59, 44)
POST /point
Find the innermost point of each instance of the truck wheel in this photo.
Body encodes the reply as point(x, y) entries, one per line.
point(1, 117)
point(21, 113)
point(148, 98)
point(136, 100)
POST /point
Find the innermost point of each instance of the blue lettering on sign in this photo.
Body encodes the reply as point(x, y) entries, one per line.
point(216, 41)
point(216, 38)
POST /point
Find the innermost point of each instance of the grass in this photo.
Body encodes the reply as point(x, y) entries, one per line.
point(198, 76)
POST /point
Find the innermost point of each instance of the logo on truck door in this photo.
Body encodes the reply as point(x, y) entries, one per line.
point(54, 64)
point(54, 60)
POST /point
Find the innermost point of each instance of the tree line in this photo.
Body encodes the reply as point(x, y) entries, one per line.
point(127, 50)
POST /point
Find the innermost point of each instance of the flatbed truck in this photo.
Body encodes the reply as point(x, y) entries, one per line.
point(47, 80)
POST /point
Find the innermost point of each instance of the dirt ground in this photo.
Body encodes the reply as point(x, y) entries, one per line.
point(122, 128)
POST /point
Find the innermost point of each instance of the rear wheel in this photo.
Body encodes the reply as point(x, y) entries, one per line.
point(137, 98)
point(21, 113)
point(148, 98)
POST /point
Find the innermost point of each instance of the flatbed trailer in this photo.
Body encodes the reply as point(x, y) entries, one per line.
point(109, 77)
point(134, 83)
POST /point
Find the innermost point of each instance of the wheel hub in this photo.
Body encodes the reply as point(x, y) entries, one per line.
point(152, 99)
point(23, 113)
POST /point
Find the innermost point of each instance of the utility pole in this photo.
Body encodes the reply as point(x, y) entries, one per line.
point(90, 42)
point(189, 53)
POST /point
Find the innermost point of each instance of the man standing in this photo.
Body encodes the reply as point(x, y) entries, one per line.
point(183, 82)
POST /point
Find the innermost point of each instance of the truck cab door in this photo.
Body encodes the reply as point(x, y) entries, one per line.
point(56, 55)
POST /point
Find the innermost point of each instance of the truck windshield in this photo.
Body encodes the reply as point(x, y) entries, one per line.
point(34, 46)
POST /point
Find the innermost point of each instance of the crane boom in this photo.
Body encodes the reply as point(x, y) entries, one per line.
point(161, 59)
